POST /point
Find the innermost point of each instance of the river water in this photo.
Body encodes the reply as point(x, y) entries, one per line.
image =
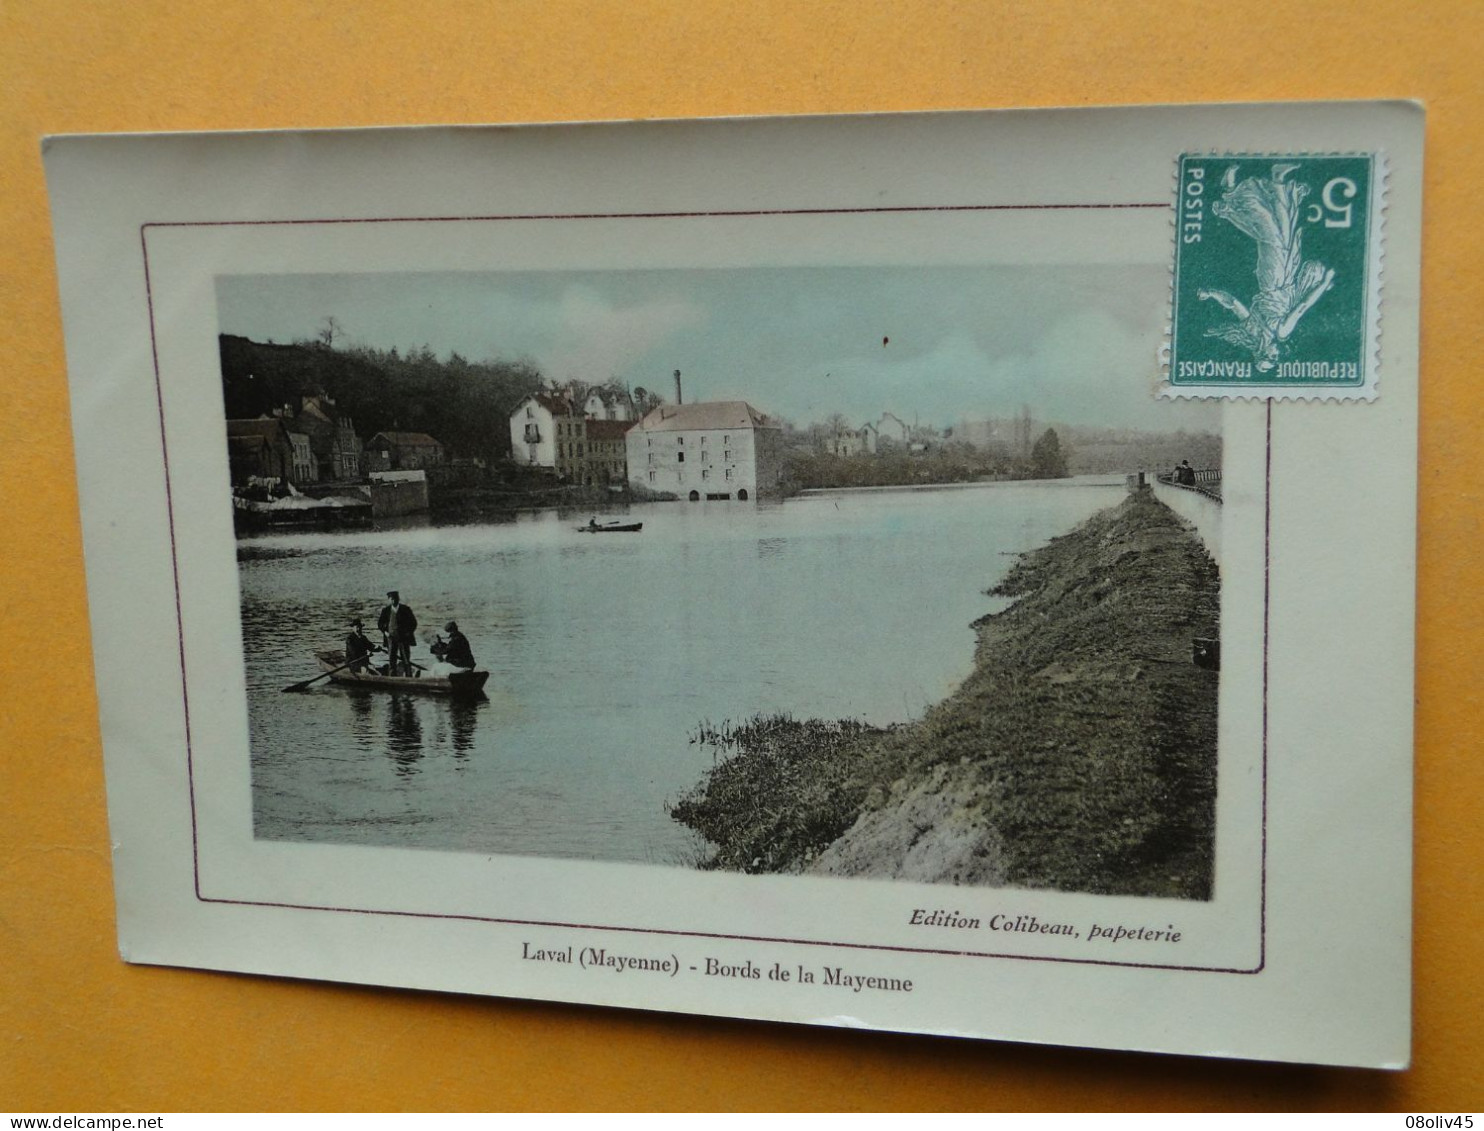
point(607, 651)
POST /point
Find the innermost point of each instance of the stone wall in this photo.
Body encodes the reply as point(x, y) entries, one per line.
point(1200, 510)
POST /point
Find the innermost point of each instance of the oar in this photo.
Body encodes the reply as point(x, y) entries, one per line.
point(305, 683)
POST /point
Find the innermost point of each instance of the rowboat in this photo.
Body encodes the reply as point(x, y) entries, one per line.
point(462, 684)
point(613, 528)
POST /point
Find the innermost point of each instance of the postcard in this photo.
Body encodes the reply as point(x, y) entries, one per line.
point(944, 573)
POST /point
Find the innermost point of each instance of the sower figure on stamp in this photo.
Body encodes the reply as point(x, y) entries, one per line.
point(399, 626)
point(1287, 285)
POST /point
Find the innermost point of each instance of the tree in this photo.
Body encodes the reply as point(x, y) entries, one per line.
point(1048, 461)
point(575, 391)
point(646, 401)
point(329, 330)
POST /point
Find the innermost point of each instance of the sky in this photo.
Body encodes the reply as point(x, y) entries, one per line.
point(934, 345)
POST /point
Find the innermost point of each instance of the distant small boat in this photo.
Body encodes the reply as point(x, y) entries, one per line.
point(464, 684)
point(613, 528)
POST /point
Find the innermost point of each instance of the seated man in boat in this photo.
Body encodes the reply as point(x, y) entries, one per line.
point(455, 651)
point(358, 647)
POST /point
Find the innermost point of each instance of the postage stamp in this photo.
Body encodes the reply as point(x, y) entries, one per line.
point(1277, 276)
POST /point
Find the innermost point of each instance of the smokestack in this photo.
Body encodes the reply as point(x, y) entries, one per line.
point(677, 388)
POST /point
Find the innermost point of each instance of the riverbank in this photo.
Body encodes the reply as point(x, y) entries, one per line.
point(476, 502)
point(1079, 754)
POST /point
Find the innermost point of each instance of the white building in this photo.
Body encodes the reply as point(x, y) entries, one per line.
point(845, 443)
point(710, 450)
point(893, 428)
point(607, 403)
point(538, 425)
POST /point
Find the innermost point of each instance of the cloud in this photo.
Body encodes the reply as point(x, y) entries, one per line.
point(1087, 366)
point(1075, 344)
point(596, 337)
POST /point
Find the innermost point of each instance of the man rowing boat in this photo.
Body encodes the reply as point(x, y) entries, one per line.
point(358, 647)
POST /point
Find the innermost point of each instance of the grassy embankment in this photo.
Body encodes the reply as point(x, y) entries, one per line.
point(1079, 755)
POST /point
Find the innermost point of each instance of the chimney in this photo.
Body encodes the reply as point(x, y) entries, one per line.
point(677, 388)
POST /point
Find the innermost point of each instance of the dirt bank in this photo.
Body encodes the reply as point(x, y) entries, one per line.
point(1079, 755)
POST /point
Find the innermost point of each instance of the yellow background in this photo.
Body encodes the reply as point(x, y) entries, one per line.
point(81, 1031)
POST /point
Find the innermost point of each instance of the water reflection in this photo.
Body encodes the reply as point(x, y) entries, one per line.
point(410, 728)
point(771, 547)
point(362, 716)
point(464, 715)
point(404, 734)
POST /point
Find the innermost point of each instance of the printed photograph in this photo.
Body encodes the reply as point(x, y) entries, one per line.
point(898, 573)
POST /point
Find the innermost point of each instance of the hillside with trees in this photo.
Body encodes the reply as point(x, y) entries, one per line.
point(465, 405)
point(1101, 450)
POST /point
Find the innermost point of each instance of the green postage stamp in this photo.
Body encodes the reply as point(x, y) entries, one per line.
point(1277, 278)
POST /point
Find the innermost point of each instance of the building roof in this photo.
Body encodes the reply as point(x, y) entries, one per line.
point(311, 407)
point(268, 427)
point(609, 395)
point(553, 403)
point(250, 444)
point(608, 429)
point(407, 439)
point(703, 415)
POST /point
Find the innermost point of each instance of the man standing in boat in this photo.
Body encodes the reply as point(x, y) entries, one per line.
point(399, 626)
point(455, 651)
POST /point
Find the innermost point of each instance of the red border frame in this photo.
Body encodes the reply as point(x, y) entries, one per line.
point(180, 633)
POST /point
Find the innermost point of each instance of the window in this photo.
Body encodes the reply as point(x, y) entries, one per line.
point(726, 455)
point(651, 459)
point(680, 457)
point(530, 411)
point(680, 477)
point(705, 475)
point(579, 449)
point(729, 473)
point(681, 441)
point(651, 477)
point(726, 439)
